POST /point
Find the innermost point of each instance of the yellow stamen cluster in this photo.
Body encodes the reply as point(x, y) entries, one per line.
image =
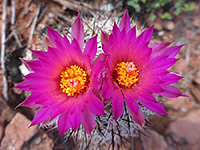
point(125, 74)
point(73, 80)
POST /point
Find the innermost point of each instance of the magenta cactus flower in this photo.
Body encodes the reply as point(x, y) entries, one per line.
point(62, 82)
point(135, 70)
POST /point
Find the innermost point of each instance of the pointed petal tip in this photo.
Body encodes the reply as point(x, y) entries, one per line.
point(78, 14)
point(21, 104)
point(104, 37)
point(117, 104)
point(179, 46)
point(49, 29)
point(141, 126)
point(152, 26)
point(166, 114)
point(78, 31)
point(20, 58)
point(125, 22)
point(184, 95)
point(126, 13)
point(32, 124)
point(61, 133)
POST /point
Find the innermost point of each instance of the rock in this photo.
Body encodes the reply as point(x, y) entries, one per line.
point(196, 22)
point(195, 91)
point(18, 136)
point(107, 7)
point(180, 103)
point(180, 66)
point(137, 143)
point(185, 130)
point(1, 130)
point(39, 142)
point(158, 26)
point(161, 33)
point(153, 141)
point(169, 25)
point(17, 132)
point(198, 47)
point(6, 114)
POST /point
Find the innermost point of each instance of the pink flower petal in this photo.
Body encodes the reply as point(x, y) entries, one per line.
point(139, 53)
point(51, 98)
point(50, 66)
point(55, 56)
point(63, 48)
point(53, 35)
point(117, 104)
point(31, 65)
point(76, 47)
point(138, 118)
point(42, 85)
point(24, 85)
point(63, 122)
point(132, 104)
point(91, 48)
point(171, 92)
point(41, 115)
point(107, 90)
point(38, 54)
point(155, 107)
point(172, 51)
point(30, 101)
point(60, 108)
point(148, 98)
point(61, 58)
point(171, 78)
point(131, 35)
point(150, 103)
point(104, 38)
point(105, 48)
point(115, 31)
point(95, 105)
point(162, 62)
point(158, 49)
point(96, 75)
point(125, 22)
point(25, 62)
point(28, 104)
point(75, 117)
point(88, 121)
point(156, 89)
point(78, 31)
point(146, 36)
point(98, 64)
point(47, 42)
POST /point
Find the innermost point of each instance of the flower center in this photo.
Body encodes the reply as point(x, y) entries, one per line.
point(73, 80)
point(125, 74)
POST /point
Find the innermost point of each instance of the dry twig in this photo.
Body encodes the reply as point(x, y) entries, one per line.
point(34, 25)
point(13, 27)
point(76, 5)
point(13, 12)
point(3, 50)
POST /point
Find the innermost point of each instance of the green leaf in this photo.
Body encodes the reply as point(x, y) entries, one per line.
point(144, 1)
point(166, 15)
point(136, 6)
point(130, 3)
point(177, 11)
point(152, 16)
point(189, 6)
point(156, 5)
